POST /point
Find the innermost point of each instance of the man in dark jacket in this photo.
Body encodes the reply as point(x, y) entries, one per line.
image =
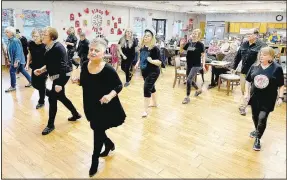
point(247, 56)
point(83, 48)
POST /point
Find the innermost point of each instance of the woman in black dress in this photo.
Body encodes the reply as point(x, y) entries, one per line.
point(71, 43)
point(127, 49)
point(149, 60)
point(59, 69)
point(101, 86)
point(35, 60)
point(263, 82)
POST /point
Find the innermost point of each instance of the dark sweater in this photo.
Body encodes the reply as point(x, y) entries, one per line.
point(83, 49)
point(56, 61)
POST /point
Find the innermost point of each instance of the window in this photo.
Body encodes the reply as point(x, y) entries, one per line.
point(138, 26)
point(34, 19)
point(160, 27)
point(177, 27)
point(7, 20)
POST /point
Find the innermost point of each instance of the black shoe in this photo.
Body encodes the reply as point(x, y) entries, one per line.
point(197, 93)
point(74, 117)
point(253, 134)
point(109, 146)
point(47, 130)
point(126, 84)
point(257, 146)
point(28, 85)
point(39, 105)
point(210, 86)
point(94, 167)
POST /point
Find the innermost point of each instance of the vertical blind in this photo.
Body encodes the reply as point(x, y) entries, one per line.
point(34, 19)
point(7, 20)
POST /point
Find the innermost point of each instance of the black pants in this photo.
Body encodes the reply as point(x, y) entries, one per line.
point(126, 66)
point(216, 72)
point(259, 119)
point(149, 82)
point(61, 96)
point(39, 83)
point(70, 57)
point(100, 137)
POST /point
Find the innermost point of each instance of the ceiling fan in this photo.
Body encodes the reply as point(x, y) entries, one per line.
point(201, 4)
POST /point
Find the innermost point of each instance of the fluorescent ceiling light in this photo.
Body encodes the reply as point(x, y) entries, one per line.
point(277, 10)
point(241, 10)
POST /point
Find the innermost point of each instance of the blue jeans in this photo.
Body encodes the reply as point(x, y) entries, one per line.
point(21, 69)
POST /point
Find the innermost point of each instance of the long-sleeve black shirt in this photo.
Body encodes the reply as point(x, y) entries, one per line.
point(83, 49)
point(248, 54)
point(56, 61)
point(72, 39)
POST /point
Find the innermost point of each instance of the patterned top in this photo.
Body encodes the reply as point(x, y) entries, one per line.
point(230, 58)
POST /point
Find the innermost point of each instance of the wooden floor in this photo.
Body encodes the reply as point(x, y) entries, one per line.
point(204, 139)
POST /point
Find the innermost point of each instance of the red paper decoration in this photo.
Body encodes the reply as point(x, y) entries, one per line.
point(101, 12)
point(72, 17)
point(107, 12)
point(97, 10)
point(95, 29)
point(100, 28)
point(119, 32)
point(79, 31)
point(86, 10)
point(115, 25)
point(34, 15)
point(113, 18)
point(190, 21)
point(48, 12)
point(119, 20)
point(112, 30)
point(79, 14)
point(77, 24)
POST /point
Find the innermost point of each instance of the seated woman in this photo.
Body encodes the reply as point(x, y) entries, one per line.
point(213, 50)
point(224, 48)
point(217, 70)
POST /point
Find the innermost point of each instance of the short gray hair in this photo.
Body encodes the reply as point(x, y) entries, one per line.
point(83, 34)
point(99, 41)
point(11, 29)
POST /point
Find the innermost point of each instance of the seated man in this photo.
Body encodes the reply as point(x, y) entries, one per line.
point(217, 70)
point(274, 38)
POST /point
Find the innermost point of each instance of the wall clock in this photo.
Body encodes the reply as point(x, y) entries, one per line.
point(279, 18)
point(97, 20)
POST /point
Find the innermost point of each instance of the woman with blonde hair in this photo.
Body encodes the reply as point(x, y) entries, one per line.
point(149, 61)
point(127, 49)
point(35, 60)
point(263, 82)
point(195, 54)
point(71, 43)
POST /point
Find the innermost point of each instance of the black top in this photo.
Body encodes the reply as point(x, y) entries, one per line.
point(95, 86)
point(154, 53)
point(83, 49)
point(56, 62)
point(37, 52)
point(264, 85)
point(194, 51)
point(248, 54)
point(129, 52)
point(72, 39)
point(24, 43)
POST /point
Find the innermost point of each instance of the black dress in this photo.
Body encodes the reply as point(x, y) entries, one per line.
point(95, 86)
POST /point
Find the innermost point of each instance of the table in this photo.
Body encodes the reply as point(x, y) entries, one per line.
point(218, 63)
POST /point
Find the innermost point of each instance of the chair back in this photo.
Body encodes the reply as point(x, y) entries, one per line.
point(220, 56)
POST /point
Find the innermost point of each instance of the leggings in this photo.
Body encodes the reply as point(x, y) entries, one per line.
point(259, 119)
point(39, 83)
point(61, 96)
point(191, 74)
point(126, 67)
point(70, 57)
point(149, 82)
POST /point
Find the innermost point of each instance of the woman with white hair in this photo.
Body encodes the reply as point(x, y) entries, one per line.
point(71, 43)
point(36, 52)
point(127, 49)
point(101, 86)
point(16, 58)
point(150, 61)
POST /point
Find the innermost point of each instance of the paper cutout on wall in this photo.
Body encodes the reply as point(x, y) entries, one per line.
point(79, 31)
point(119, 20)
point(108, 22)
point(100, 28)
point(4, 14)
point(86, 10)
point(95, 29)
point(48, 12)
point(64, 29)
point(77, 24)
point(97, 20)
point(115, 25)
point(107, 12)
point(21, 16)
point(113, 18)
point(97, 10)
point(112, 30)
point(101, 12)
point(119, 32)
point(72, 17)
point(85, 23)
point(79, 14)
point(190, 21)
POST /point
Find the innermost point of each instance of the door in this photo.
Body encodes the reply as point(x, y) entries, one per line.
point(209, 35)
point(159, 26)
point(219, 32)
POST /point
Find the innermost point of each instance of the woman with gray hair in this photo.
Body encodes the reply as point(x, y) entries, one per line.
point(36, 52)
point(101, 86)
point(127, 49)
point(16, 58)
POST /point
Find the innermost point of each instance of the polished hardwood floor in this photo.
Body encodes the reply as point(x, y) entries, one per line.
point(207, 138)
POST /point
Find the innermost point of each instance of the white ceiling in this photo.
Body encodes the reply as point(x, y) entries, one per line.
point(204, 7)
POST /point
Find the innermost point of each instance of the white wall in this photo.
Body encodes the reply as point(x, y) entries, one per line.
point(242, 17)
point(60, 13)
